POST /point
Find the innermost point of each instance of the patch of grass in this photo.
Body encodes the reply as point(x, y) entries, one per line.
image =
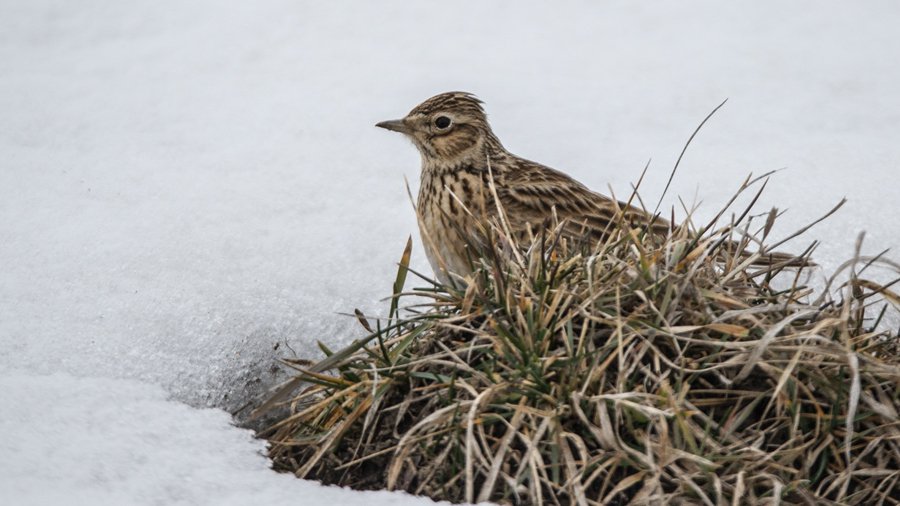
point(641, 370)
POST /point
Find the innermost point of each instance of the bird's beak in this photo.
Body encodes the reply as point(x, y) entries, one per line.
point(396, 125)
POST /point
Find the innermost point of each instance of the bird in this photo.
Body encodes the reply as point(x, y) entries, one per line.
point(464, 166)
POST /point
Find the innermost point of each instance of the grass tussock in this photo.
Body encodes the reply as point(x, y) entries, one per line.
point(641, 370)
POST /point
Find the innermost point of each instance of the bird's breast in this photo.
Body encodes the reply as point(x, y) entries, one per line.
point(447, 206)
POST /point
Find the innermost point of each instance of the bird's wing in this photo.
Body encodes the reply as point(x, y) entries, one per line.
point(529, 190)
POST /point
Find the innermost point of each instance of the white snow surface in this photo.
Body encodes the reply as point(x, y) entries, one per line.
point(187, 186)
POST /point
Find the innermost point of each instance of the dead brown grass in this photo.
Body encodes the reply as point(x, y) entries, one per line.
point(643, 370)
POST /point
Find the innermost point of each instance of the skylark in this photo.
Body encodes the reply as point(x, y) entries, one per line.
point(458, 147)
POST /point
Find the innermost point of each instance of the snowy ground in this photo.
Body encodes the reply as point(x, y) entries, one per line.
point(189, 185)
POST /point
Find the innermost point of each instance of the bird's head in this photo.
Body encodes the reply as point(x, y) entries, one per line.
point(450, 129)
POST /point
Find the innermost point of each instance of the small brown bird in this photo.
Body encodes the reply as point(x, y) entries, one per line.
point(457, 146)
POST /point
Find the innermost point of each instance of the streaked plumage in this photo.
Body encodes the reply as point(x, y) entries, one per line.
point(456, 143)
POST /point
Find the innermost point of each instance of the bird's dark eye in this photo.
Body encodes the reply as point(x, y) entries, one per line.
point(442, 122)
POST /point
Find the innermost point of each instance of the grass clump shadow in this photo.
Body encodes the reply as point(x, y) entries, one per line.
point(638, 370)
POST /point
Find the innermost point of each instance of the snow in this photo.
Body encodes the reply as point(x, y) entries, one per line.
point(192, 189)
point(121, 441)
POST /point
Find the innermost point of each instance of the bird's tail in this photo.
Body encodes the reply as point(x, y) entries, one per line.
point(732, 249)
